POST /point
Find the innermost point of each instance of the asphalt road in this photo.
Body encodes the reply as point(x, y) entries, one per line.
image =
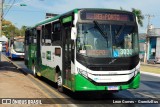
point(149, 88)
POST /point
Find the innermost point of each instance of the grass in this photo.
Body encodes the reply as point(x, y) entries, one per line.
point(150, 69)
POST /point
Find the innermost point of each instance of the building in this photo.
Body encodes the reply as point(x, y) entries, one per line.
point(142, 45)
point(153, 43)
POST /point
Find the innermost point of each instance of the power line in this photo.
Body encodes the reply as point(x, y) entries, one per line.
point(28, 11)
point(10, 7)
point(9, 1)
point(15, 4)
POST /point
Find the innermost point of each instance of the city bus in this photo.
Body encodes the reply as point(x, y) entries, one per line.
point(86, 50)
point(15, 48)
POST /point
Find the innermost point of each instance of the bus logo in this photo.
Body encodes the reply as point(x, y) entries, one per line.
point(115, 53)
point(113, 60)
point(6, 101)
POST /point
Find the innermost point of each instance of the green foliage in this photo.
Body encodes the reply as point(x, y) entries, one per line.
point(139, 15)
point(22, 30)
point(9, 30)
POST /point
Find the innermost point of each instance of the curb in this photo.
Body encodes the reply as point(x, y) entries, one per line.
point(152, 74)
point(151, 65)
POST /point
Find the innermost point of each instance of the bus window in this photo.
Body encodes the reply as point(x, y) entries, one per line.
point(43, 35)
point(56, 32)
point(47, 33)
point(34, 36)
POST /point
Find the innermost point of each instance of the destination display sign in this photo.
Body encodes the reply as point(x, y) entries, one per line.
point(106, 16)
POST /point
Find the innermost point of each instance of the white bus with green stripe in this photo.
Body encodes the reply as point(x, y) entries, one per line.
point(87, 50)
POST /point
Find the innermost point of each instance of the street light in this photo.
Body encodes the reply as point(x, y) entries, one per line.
point(8, 5)
point(23, 5)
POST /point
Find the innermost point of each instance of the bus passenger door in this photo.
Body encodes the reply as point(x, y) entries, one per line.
point(68, 53)
point(38, 62)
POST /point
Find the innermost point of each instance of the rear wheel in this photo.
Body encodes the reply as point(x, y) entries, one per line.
point(11, 56)
point(34, 70)
point(59, 83)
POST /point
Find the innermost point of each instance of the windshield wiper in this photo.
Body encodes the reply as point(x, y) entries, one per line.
point(100, 30)
point(120, 31)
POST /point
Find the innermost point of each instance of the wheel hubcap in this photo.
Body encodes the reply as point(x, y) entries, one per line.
point(33, 69)
point(59, 81)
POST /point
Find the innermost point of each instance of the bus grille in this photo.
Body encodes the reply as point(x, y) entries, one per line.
point(111, 68)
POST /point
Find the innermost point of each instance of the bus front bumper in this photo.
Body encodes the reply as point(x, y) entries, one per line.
point(17, 56)
point(83, 84)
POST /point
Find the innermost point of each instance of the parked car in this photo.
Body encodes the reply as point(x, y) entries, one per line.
point(153, 61)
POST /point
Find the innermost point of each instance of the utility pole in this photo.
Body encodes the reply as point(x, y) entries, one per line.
point(147, 37)
point(1, 15)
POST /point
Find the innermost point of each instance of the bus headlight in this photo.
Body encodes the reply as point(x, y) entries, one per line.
point(82, 72)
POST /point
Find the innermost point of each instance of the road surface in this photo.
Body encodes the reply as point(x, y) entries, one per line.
point(149, 88)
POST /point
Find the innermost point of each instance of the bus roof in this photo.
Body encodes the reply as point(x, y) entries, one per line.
point(54, 18)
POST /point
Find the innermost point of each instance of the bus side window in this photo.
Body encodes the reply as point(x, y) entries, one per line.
point(30, 39)
point(43, 36)
point(56, 32)
point(47, 33)
point(34, 36)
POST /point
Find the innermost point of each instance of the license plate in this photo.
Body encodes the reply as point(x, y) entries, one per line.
point(113, 88)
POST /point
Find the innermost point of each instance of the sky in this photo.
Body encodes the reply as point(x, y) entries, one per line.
point(35, 10)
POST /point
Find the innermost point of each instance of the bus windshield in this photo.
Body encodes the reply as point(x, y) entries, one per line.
point(18, 46)
point(106, 40)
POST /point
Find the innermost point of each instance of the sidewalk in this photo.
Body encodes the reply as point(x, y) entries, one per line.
point(14, 84)
point(152, 65)
point(150, 69)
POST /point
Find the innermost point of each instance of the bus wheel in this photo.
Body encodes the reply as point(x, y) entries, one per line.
point(34, 70)
point(59, 83)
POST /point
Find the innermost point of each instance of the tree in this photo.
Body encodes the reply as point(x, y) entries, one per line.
point(8, 29)
point(139, 15)
point(22, 30)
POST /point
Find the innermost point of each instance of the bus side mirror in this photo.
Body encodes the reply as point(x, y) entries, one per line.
point(73, 33)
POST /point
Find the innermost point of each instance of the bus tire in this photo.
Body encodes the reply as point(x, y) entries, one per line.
point(34, 71)
point(11, 56)
point(59, 83)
